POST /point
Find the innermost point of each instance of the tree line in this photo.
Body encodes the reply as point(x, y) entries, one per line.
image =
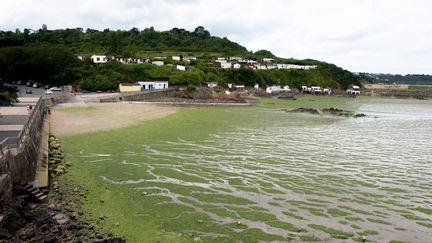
point(48, 57)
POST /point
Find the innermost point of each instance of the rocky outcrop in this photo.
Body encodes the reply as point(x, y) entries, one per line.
point(303, 110)
point(337, 112)
point(326, 111)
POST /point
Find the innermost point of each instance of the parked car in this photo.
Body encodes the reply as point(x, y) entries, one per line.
point(29, 91)
point(56, 89)
point(48, 91)
point(35, 85)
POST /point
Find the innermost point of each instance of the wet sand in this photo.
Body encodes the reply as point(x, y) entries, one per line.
point(102, 117)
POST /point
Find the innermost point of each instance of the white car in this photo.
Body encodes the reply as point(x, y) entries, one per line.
point(55, 89)
point(48, 91)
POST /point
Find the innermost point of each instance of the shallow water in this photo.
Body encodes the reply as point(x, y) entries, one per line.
point(283, 173)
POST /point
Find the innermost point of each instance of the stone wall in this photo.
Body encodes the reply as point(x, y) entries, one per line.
point(18, 162)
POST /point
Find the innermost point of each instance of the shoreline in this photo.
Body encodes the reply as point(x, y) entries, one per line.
point(60, 218)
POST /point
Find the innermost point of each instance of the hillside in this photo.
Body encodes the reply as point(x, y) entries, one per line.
point(47, 56)
point(413, 79)
point(126, 43)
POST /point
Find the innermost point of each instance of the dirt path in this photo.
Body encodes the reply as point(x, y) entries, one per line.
point(105, 116)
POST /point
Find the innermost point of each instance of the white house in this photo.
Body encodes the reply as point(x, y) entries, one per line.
point(99, 58)
point(235, 58)
point(268, 59)
point(158, 63)
point(354, 90)
point(271, 66)
point(277, 88)
point(189, 58)
point(327, 91)
point(294, 66)
point(138, 60)
point(236, 65)
point(181, 68)
point(152, 85)
point(226, 65)
point(316, 89)
point(307, 67)
point(124, 60)
point(261, 66)
point(176, 58)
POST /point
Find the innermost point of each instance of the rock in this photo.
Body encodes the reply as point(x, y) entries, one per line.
point(359, 115)
point(44, 227)
point(303, 110)
point(73, 215)
point(337, 112)
point(74, 226)
point(50, 239)
point(61, 218)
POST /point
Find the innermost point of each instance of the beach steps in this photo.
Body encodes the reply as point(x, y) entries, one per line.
point(34, 192)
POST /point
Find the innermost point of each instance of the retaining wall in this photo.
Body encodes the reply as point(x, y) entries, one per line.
point(19, 155)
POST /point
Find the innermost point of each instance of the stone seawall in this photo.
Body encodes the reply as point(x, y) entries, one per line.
point(19, 156)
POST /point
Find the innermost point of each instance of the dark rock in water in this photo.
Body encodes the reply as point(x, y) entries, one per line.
point(287, 98)
point(337, 112)
point(303, 110)
point(331, 111)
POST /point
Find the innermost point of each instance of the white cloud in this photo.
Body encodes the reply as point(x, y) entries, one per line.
point(360, 35)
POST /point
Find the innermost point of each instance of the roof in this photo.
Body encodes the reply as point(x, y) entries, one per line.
point(129, 84)
point(152, 81)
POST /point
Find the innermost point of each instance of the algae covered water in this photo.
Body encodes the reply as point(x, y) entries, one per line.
point(261, 174)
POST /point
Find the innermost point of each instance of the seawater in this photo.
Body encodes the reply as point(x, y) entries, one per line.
point(351, 174)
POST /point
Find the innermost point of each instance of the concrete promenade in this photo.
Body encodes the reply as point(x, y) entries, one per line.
point(13, 118)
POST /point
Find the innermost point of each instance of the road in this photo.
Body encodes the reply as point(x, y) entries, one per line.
point(13, 118)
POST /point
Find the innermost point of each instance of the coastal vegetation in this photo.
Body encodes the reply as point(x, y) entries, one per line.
point(47, 56)
point(253, 174)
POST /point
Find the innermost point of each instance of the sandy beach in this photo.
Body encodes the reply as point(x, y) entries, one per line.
point(103, 116)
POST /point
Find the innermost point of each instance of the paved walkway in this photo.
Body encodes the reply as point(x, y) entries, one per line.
point(13, 118)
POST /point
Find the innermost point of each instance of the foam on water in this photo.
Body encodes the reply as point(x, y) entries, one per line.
point(376, 167)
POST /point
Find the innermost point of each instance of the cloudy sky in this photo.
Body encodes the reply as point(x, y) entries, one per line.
point(388, 36)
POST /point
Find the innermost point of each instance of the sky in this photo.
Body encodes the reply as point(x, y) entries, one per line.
point(380, 36)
